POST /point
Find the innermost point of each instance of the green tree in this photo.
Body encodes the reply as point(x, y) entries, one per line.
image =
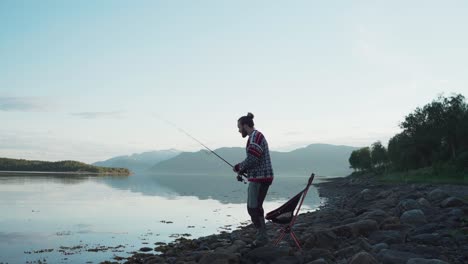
point(360, 159)
point(379, 155)
point(354, 160)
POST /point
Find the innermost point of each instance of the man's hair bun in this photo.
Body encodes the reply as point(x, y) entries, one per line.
point(250, 115)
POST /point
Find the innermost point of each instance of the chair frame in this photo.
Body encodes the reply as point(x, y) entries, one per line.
point(287, 228)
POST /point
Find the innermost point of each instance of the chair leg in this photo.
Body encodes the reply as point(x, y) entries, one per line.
point(295, 240)
point(281, 236)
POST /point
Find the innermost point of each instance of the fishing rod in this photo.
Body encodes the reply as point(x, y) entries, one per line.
point(212, 151)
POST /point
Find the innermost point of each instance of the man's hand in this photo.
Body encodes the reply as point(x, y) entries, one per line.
point(239, 178)
point(236, 168)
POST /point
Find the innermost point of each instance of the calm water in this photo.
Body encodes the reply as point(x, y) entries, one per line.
point(79, 219)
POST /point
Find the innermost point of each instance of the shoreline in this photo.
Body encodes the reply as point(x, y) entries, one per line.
point(65, 172)
point(362, 221)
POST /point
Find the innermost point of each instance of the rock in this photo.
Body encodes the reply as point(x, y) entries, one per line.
point(456, 212)
point(322, 239)
point(343, 231)
point(413, 217)
point(316, 253)
point(388, 256)
point(366, 195)
point(427, 239)
point(287, 260)
point(364, 227)
point(378, 215)
point(390, 223)
point(387, 236)
point(154, 260)
point(378, 247)
point(406, 205)
point(423, 202)
point(235, 247)
point(425, 229)
point(452, 202)
point(267, 254)
point(347, 252)
point(146, 249)
point(425, 261)
point(363, 258)
point(318, 261)
point(437, 195)
point(219, 258)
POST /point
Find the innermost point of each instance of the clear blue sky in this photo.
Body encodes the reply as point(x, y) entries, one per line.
point(86, 80)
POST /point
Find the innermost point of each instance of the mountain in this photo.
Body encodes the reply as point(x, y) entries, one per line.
point(323, 159)
point(139, 161)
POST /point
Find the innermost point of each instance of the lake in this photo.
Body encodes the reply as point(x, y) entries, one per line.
point(88, 219)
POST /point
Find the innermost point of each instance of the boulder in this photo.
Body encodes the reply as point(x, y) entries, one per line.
point(413, 217)
point(363, 258)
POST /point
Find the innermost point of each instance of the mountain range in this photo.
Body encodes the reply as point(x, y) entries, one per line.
point(139, 162)
point(322, 159)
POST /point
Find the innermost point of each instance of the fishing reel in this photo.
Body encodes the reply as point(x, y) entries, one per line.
point(239, 178)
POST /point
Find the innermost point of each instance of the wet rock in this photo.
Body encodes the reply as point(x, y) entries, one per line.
point(146, 249)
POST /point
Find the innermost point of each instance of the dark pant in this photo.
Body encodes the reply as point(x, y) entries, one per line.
point(256, 195)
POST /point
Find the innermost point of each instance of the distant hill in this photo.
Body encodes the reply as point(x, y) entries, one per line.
point(139, 161)
point(68, 166)
point(323, 159)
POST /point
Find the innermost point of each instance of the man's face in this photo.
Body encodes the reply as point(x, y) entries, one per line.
point(242, 129)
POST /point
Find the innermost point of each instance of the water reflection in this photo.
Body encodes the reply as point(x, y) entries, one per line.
point(223, 188)
point(48, 212)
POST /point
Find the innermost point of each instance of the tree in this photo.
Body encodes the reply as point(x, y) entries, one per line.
point(354, 160)
point(360, 159)
point(379, 156)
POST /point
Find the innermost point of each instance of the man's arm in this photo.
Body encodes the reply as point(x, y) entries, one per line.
point(254, 153)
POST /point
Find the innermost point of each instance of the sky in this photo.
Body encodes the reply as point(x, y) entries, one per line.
point(89, 80)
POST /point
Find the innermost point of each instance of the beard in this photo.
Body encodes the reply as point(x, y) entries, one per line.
point(244, 133)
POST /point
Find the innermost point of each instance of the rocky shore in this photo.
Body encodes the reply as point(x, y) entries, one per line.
point(363, 221)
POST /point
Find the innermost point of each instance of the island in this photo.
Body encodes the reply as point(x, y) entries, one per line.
point(65, 166)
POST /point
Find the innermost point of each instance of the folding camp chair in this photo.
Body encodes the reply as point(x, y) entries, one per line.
point(286, 216)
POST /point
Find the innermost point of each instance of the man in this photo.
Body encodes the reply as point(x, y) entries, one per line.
point(257, 167)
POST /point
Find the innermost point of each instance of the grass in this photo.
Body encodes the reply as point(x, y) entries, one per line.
point(426, 175)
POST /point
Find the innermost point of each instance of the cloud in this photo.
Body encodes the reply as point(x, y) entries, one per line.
point(24, 104)
point(95, 115)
